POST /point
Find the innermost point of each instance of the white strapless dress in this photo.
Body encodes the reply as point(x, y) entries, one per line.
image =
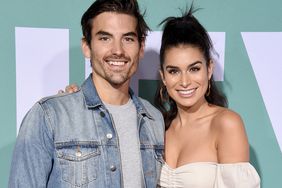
point(210, 175)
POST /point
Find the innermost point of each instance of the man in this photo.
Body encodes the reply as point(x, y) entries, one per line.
point(103, 135)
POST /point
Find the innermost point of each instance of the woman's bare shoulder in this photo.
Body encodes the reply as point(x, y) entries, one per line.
point(232, 142)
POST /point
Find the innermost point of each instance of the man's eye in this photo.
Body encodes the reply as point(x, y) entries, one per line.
point(104, 38)
point(129, 39)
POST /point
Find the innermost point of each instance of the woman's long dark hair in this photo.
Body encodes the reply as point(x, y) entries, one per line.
point(185, 30)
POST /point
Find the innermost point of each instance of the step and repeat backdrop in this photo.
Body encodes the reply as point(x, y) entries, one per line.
point(40, 54)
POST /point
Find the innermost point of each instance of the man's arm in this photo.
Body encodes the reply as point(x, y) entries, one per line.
point(32, 157)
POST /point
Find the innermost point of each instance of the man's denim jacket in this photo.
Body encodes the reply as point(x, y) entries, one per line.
point(69, 141)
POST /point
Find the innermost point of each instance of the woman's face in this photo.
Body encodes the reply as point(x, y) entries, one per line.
point(186, 75)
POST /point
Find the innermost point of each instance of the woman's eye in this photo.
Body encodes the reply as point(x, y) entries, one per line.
point(173, 71)
point(194, 69)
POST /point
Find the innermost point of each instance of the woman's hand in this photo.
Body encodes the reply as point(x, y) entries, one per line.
point(72, 88)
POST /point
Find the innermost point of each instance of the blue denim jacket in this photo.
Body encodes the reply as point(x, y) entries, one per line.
point(69, 141)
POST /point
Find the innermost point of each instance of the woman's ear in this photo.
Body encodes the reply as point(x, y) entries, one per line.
point(210, 69)
point(162, 77)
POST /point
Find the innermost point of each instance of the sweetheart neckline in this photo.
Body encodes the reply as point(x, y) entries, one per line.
point(190, 164)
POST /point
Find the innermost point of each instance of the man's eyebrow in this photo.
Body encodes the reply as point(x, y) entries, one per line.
point(130, 34)
point(103, 33)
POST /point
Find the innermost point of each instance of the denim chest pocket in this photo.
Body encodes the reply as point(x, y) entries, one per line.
point(79, 161)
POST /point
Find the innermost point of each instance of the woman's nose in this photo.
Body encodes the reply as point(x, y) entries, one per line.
point(185, 80)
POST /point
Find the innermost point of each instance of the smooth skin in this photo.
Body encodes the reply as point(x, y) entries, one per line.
point(200, 132)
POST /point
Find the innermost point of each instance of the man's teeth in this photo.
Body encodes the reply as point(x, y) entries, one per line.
point(186, 92)
point(116, 63)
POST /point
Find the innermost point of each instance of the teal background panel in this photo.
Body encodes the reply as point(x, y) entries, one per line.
point(240, 84)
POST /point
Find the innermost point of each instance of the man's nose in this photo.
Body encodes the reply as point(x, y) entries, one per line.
point(117, 48)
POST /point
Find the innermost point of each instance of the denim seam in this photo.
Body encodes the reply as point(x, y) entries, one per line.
point(46, 125)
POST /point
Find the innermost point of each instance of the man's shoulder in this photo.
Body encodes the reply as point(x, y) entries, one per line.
point(151, 109)
point(148, 105)
point(61, 97)
point(157, 119)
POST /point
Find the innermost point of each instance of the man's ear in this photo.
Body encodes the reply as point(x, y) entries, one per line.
point(85, 48)
point(142, 49)
point(210, 69)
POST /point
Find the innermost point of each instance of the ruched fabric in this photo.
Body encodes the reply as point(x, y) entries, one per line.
point(210, 175)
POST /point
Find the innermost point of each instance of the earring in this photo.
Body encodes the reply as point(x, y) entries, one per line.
point(208, 90)
point(164, 94)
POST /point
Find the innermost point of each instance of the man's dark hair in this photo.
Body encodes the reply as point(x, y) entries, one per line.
point(129, 7)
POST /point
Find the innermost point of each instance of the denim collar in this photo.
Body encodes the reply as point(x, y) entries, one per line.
point(93, 100)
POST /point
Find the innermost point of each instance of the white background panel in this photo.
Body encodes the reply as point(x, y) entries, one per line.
point(88, 68)
point(218, 40)
point(264, 50)
point(42, 65)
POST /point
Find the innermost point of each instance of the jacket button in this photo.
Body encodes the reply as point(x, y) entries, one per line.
point(109, 136)
point(78, 154)
point(113, 168)
point(102, 114)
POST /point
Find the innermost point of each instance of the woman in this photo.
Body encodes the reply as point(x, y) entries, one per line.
point(205, 143)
